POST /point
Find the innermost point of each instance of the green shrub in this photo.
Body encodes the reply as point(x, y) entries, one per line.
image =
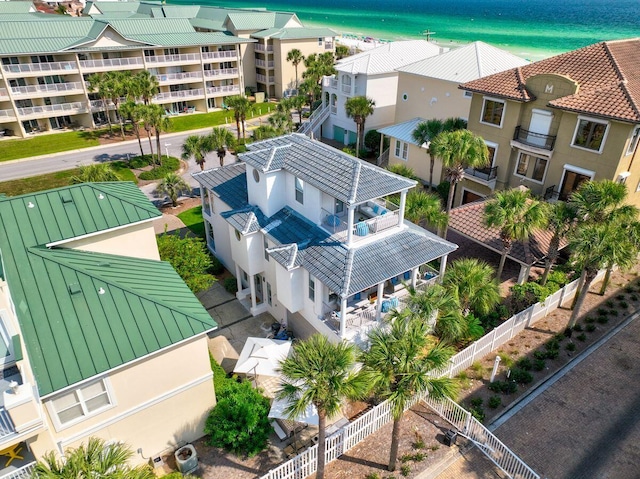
point(521, 376)
point(239, 423)
point(373, 475)
point(507, 361)
point(524, 295)
point(570, 346)
point(591, 328)
point(443, 190)
point(220, 379)
point(169, 165)
point(552, 344)
point(506, 387)
point(556, 280)
point(189, 257)
point(495, 317)
point(539, 354)
point(553, 353)
point(581, 337)
point(138, 162)
point(602, 312)
point(240, 148)
point(478, 413)
point(634, 297)
point(494, 402)
point(589, 319)
point(231, 285)
point(577, 327)
point(216, 266)
point(609, 303)
point(539, 364)
point(372, 140)
point(603, 319)
point(476, 402)
point(405, 470)
point(613, 312)
point(524, 364)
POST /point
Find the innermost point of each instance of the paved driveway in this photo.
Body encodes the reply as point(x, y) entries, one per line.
point(586, 424)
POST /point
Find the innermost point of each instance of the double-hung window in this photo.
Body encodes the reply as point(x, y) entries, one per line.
point(299, 191)
point(492, 112)
point(312, 288)
point(402, 150)
point(531, 167)
point(590, 134)
point(634, 141)
point(82, 402)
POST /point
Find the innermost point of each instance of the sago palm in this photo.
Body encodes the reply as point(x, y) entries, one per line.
point(95, 173)
point(398, 366)
point(359, 108)
point(322, 374)
point(173, 185)
point(473, 283)
point(516, 215)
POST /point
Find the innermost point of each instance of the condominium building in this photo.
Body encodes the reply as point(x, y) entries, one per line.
point(313, 237)
point(558, 122)
point(99, 338)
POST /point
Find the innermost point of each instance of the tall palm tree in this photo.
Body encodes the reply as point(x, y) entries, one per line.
point(144, 86)
point(322, 374)
point(317, 66)
point(196, 147)
point(95, 459)
point(516, 215)
point(458, 149)
point(359, 108)
point(240, 105)
point(421, 206)
point(220, 138)
point(423, 134)
point(173, 185)
point(561, 217)
point(298, 103)
point(95, 173)
point(147, 117)
point(132, 111)
point(437, 304)
point(155, 117)
point(473, 283)
point(398, 366)
point(296, 57)
point(595, 246)
point(116, 84)
point(97, 84)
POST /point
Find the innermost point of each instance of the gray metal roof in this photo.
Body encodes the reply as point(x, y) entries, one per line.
point(332, 171)
point(403, 131)
point(229, 183)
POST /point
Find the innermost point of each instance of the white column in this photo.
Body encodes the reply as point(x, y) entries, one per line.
point(381, 150)
point(524, 273)
point(379, 301)
point(343, 317)
point(414, 276)
point(443, 266)
point(350, 214)
point(252, 287)
point(238, 279)
point(403, 202)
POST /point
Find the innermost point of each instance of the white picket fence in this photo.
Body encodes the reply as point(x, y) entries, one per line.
point(305, 464)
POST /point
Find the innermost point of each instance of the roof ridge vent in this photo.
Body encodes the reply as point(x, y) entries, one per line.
point(74, 288)
point(66, 197)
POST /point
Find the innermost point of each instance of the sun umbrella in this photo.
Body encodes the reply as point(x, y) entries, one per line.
point(262, 356)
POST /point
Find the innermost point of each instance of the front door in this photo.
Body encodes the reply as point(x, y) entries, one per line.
point(571, 182)
point(258, 283)
point(539, 127)
point(470, 197)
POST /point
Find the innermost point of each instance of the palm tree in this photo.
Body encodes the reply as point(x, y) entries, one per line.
point(97, 84)
point(342, 51)
point(264, 132)
point(595, 246)
point(144, 86)
point(298, 103)
point(95, 459)
point(359, 108)
point(561, 217)
point(296, 57)
point(172, 185)
point(317, 66)
point(220, 139)
point(147, 115)
point(398, 366)
point(421, 206)
point(240, 106)
point(154, 115)
point(436, 303)
point(458, 149)
point(133, 112)
point(95, 173)
point(516, 215)
point(473, 283)
point(281, 122)
point(196, 147)
point(116, 85)
point(321, 374)
point(402, 170)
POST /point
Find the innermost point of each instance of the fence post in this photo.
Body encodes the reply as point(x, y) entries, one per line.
point(562, 291)
point(467, 423)
point(473, 355)
point(531, 314)
point(493, 340)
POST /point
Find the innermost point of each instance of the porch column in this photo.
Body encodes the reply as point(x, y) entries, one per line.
point(414, 276)
point(403, 202)
point(252, 287)
point(350, 214)
point(381, 150)
point(524, 273)
point(443, 266)
point(238, 278)
point(343, 317)
point(379, 301)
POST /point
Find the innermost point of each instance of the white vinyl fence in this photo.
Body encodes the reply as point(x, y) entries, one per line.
point(305, 464)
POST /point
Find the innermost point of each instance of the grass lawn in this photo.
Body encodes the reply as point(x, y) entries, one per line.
point(193, 220)
point(42, 145)
point(216, 118)
point(37, 183)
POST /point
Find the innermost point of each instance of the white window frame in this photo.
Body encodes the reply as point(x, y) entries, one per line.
point(298, 186)
point(266, 246)
point(82, 402)
point(575, 169)
point(467, 94)
point(269, 294)
point(594, 120)
point(633, 143)
point(401, 150)
point(525, 177)
point(491, 144)
point(504, 111)
point(311, 293)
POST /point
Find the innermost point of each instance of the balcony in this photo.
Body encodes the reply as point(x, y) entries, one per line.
point(263, 78)
point(180, 59)
point(99, 105)
point(179, 95)
point(31, 91)
point(262, 48)
point(223, 90)
point(265, 64)
point(223, 55)
point(45, 111)
point(551, 195)
point(4, 94)
point(168, 78)
point(31, 69)
point(21, 472)
point(328, 45)
point(369, 219)
point(222, 73)
point(111, 64)
point(486, 176)
point(330, 83)
point(536, 140)
point(7, 115)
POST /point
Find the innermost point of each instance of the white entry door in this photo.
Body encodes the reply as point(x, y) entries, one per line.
point(539, 127)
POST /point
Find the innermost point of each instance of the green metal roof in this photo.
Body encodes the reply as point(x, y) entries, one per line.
point(251, 20)
point(84, 313)
point(16, 7)
point(294, 33)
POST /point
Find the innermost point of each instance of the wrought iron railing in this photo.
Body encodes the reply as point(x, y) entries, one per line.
point(532, 138)
point(486, 174)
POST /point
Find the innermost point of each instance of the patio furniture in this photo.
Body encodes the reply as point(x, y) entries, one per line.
point(362, 229)
point(12, 453)
point(332, 220)
point(278, 430)
point(386, 306)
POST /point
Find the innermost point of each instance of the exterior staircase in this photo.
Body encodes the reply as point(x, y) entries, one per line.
point(316, 119)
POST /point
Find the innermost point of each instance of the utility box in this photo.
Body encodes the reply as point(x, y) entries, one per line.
point(450, 437)
point(259, 97)
point(186, 459)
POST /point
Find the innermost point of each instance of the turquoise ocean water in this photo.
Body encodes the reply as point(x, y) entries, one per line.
point(532, 29)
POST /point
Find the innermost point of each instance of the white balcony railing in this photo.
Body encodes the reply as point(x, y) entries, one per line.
point(222, 72)
point(44, 110)
point(222, 90)
point(227, 55)
point(330, 83)
point(6, 115)
point(181, 58)
point(6, 424)
point(111, 63)
point(24, 472)
point(265, 64)
point(40, 67)
point(169, 77)
point(4, 93)
point(50, 88)
point(261, 48)
point(178, 95)
point(263, 78)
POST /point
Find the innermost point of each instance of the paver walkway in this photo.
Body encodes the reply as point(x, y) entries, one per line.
point(585, 425)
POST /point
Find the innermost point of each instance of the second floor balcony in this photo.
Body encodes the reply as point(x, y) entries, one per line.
point(370, 218)
point(265, 79)
point(263, 48)
point(52, 89)
point(181, 59)
point(536, 140)
point(179, 95)
point(107, 64)
point(45, 111)
point(223, 90)
point(32, 69)
point(486, 176)
point(265, 64)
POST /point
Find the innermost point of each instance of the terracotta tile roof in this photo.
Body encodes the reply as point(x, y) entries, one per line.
point(608, 75)
point(468, 221)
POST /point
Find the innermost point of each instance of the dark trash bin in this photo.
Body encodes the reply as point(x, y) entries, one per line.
point(450, 437)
